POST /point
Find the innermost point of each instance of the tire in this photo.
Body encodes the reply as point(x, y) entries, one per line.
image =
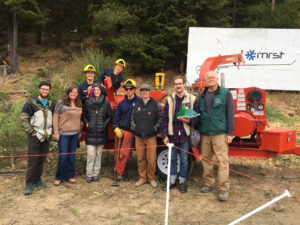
point(162, 163)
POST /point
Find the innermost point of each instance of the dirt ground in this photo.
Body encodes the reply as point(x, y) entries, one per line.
point(100, 203)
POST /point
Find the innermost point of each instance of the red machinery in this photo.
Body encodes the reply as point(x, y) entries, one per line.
point(251, 139)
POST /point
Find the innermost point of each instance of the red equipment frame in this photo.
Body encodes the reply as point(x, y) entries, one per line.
point(251, 140)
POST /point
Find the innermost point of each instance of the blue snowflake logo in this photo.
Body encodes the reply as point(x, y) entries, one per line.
point(251, 54)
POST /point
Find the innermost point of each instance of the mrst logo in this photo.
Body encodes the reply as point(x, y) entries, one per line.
point(251, 55)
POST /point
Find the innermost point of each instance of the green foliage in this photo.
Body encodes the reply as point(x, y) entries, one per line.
point(11, 135)
point(3, 96)
point(274, 115)
point(44, 73)
point(89, 56)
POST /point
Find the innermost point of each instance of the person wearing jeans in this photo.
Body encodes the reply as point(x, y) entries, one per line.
point(177, 130)
point(66, 126)
point(66, 163)
point(183, 170)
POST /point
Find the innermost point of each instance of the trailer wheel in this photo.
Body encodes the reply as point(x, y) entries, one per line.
point(162, 163)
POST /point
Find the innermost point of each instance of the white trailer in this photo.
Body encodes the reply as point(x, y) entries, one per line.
point(272, 56)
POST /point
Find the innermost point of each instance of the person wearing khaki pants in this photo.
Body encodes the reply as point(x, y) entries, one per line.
point(219, 145)
point(146, 153)
point(145, 121)
point(216, 128)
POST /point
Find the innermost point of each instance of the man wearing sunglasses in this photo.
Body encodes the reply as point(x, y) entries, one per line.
point(124, 138)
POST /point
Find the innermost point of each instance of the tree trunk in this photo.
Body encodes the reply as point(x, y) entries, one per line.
point(38, 35)
point(234, 13)
point(10, 36)
point(273, 5)
point(14, 47)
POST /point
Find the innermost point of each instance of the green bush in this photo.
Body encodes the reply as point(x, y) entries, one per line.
point(11, 135)
point(274, 115)
point(94, 57)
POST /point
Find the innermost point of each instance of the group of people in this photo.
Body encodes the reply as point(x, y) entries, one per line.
point(136, 122)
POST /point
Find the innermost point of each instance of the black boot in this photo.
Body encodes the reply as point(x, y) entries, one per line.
point(40, 184)
point(183, 188)
point(28, 189)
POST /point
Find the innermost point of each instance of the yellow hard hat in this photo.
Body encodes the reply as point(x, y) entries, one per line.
point(121, 62)
point(89, 68)
point(129, 82)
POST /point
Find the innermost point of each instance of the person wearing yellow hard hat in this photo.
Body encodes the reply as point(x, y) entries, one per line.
point(114, 73)
point(89, 71)
point(124, 138)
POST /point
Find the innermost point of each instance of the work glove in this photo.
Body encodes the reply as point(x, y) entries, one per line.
point(118, 132)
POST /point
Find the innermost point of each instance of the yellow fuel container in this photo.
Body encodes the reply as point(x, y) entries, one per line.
point(159, 81)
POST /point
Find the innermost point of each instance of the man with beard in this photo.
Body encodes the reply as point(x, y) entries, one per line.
point(36, 121)
point(177, 130)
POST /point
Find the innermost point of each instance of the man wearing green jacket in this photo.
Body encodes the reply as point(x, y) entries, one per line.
point(216, 127)
point(36, 121)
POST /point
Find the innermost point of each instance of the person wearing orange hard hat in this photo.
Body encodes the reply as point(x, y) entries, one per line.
point(114, 73)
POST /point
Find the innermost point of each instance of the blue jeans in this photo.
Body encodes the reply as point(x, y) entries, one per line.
point(66, 162)
point(183, 160)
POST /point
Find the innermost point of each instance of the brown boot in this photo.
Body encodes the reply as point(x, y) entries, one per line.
point(223, 196)
point(140, 183)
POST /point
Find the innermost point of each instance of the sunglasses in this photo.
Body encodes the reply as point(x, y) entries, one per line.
point(128, 89)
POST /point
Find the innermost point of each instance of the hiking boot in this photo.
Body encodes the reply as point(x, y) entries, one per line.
point(164, 188)
point(223, 196)
point(57, 182)
point(206, 189)
point(183, 188)
point(140, 183)
point(153, 183)
point(119, 178)
point(96, 178)
point(40, 184)
point(89, 179)
point(125, 177)
point(28, 189)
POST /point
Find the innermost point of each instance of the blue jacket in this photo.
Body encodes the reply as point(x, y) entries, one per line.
point(123, 113)
point(116, 80)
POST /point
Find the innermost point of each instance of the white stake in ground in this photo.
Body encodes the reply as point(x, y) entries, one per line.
point(170, 145)
point(285, 194)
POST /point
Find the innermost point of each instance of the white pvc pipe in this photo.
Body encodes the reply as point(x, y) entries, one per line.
point(285, 194)
point(170, 145)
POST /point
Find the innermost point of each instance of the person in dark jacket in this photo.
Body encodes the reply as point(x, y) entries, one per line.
point(97, 113)
point(114, 73)
point(124, 138)
point(145, 122)
point(89, 72)
point(36, 121)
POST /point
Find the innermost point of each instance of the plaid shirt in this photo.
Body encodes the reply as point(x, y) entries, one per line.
point(179, 132)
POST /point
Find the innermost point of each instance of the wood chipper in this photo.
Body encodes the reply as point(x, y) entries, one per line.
point(251, 138)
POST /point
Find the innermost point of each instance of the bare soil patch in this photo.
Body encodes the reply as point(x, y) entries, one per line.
point(99, 203)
